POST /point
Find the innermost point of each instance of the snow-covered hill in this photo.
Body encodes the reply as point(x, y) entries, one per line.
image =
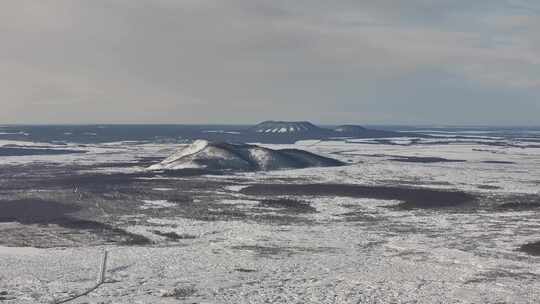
point(203, 154)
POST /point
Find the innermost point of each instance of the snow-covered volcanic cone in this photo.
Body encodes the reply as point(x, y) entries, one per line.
point(225, 156)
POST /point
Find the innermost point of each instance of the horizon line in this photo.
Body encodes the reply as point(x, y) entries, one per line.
point(432, 125)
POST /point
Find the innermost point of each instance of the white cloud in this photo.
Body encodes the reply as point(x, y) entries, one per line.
point(245, 60)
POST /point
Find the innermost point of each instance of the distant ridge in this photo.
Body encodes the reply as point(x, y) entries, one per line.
point(350, 129)
point(359, 131)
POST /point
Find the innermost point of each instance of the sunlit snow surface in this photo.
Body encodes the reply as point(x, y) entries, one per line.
point(351, 250)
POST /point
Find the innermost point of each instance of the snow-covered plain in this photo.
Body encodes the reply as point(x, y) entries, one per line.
point(351, 250)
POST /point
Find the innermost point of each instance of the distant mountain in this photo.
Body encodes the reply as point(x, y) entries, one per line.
point(272, 127)
point(291, 131)
point(203, 154)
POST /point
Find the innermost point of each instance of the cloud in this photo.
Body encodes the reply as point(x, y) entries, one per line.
point(191, 61)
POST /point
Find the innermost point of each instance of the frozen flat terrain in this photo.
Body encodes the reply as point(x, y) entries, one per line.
point(430, 220)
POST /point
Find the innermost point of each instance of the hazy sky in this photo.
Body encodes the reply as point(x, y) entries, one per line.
point(242, 61)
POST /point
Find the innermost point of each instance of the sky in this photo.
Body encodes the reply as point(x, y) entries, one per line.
point(441, 62)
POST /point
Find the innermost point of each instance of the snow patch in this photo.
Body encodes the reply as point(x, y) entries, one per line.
point(236, 188)
point(163, 189)
point(156, 204)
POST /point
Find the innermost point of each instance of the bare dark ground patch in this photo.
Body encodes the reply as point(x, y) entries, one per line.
point(406, 159)
point(31, 211)
point(498, 162)
point(531, 248)
point(520, 206)
point(19, 151)
point(488, 187)
point(291, 205)
point(412, 198)
point(520, 203)
point(512, 202)
point(173, 236)
point(42, 212)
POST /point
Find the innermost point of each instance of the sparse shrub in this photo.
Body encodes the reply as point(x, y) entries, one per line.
point(180, 292)
point(290, 204)
point(174, 236)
